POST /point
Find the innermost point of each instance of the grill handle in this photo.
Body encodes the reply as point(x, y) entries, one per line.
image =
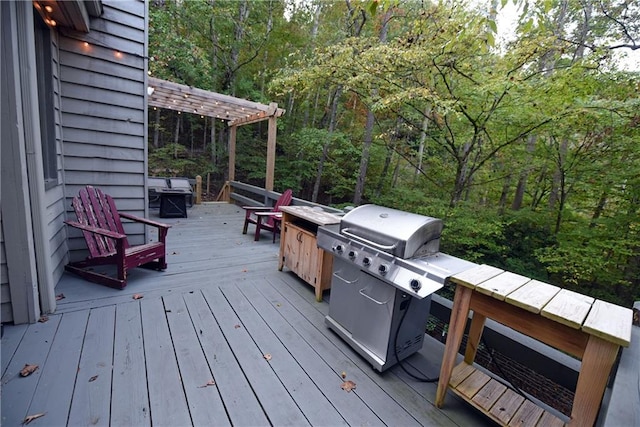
point(386, 248)
point(361, 292)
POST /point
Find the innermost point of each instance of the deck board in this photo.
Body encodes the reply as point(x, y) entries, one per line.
point(167, 400)
point(11, 338)
point(276, 313)
point(130, 408)
point(278, 404)
point(55, 388)
point(205, 403)
point(33, 349)
point(241, 403)
point(153, 355)
point(92, 392)
point(308, 397)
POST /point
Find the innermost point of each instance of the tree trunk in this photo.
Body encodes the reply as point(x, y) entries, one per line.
point(368, 130)
point(521, 187)
point(364, 159)
point(333, 114)
point(423, 138)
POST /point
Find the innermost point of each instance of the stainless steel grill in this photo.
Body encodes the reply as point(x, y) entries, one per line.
point(382, 258)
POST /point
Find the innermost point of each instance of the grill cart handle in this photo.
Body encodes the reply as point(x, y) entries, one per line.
point(361, 292)
point(386, 248)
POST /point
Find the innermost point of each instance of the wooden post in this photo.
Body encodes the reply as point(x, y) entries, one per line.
point(271, 153)
point(198, 189)
point(232, 153)
point(208, 183)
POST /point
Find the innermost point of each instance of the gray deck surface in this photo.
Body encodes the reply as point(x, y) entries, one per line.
point(193, 350)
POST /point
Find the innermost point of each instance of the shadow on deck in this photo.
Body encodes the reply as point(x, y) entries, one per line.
point(221, 337)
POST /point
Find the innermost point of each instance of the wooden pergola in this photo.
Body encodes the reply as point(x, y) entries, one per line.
point(235, 111)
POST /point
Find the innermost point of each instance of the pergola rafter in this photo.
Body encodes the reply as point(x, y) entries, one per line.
point(235, 111)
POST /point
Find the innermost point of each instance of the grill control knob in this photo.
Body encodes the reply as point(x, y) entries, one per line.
point(415, 284)
point(338, 248)
point(383, 269)
point(366, 261)
point(352, 254)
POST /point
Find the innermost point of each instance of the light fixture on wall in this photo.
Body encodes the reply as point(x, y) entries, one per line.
point(46, 11)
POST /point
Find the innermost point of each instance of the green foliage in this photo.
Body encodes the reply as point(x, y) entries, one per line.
point(530, 151)
point(174, 160)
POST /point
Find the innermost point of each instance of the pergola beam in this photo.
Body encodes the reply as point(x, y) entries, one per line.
point(235, 111)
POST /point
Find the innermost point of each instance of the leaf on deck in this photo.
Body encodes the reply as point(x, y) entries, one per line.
point(43, 319)
point(267, 356)
point(33, 417)
point(28, 370)
point(138, 296)
point(59, 297)
point(93, 378)
point(348, 386)
point(343, 375)
point(208, 384)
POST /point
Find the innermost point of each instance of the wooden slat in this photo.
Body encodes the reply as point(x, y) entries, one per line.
point(129, 370)
point(532, 296)
point(241, 403)
point(55, 389)
point(476, 275)
point(568, 307)
point(506, 406)
point(610, 322)
point(527, 415)
point(502, 285)
point(550, 420)
point(470, 386)
point(166, 394)
point(92, 393)
point(489, 394)
point(460, 373)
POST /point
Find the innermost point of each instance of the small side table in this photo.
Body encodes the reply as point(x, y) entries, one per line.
point(299, 250)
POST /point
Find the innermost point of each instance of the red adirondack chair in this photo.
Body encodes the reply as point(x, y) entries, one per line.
point(99, 220)
point(266, 218)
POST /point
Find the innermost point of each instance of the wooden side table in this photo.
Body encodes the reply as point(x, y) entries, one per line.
point(589, 329)
point(299, 250)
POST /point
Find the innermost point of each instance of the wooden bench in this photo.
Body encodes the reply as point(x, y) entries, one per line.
point(589, 329)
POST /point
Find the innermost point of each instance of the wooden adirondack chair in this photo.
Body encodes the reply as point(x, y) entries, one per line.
point(266, 218)
point(107, 242)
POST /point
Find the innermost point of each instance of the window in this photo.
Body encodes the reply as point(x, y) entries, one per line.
point(44, 62)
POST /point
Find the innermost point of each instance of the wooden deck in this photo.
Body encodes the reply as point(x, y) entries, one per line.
point(220, 338)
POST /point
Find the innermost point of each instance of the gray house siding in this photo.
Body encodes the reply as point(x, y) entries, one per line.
point(96, 119)
point(104, 123)
point(54, 195)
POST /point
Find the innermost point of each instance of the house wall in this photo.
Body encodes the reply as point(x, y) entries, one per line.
point(54, 203)
point(103, 92)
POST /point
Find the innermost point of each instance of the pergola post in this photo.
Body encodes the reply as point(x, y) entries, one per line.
point(271, 153)
point(232, 153)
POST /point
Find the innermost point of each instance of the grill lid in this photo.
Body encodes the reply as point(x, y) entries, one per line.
point(402, 234)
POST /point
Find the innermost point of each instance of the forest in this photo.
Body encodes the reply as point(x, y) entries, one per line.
point(526, 143)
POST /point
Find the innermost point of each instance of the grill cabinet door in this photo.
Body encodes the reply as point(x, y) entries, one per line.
point(375, 310)
point(344, 299)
